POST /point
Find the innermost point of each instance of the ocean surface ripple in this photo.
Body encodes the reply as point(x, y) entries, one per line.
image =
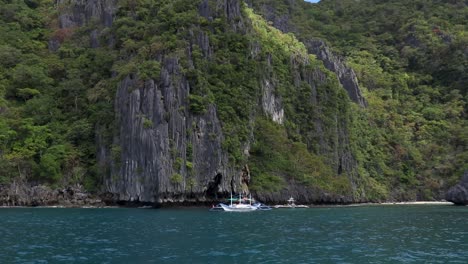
point(367, 234)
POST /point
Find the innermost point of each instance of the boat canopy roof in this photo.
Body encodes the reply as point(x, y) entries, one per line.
point(237, 199)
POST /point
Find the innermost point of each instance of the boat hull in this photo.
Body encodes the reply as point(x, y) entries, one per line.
point(238, 208)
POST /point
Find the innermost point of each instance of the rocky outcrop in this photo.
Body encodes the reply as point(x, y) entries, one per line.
point(458, 194)
point(21, 194)
point(231, 9)
point(77, 13)
point(271, 104)
point(337, 65)
point(332, 62)
point(162, 152)
point(269, 12)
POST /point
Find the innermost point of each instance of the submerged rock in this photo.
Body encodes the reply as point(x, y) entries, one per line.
point(458, 194)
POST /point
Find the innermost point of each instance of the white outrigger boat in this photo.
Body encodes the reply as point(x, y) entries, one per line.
point(291, 204)
point(241, 205)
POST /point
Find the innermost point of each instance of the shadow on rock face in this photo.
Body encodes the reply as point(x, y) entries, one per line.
point(458, 194)
point(213, 186)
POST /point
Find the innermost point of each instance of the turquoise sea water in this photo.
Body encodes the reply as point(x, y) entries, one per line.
point(370, 234)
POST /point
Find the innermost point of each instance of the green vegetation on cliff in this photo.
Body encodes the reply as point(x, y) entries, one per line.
point(58, 88)
point(46, 120)
point(290, 152)
point(411, 61)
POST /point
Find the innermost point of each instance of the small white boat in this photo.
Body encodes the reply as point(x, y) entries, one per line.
point(291, 204)
point(240, 205)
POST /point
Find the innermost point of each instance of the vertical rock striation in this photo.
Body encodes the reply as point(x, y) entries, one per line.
point(271, 102)
point(162, 152)
point(272, 105)
point(78, 13)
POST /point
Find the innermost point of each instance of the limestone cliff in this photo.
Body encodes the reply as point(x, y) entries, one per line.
point(156, 134)
point(334, 63)
point(148, 101)
point(161, 151)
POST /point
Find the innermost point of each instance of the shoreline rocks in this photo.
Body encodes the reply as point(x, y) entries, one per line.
point(18, 194)
point(458, 194)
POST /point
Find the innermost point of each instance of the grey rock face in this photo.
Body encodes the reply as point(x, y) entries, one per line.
point(272, 105)
point(336, 64)
point(231, 9)
point(162, 152)
point(53, 44)
point(203, 42)
point(204, 9)
point(76, 13)
point(268, 11)
point(458, 194)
